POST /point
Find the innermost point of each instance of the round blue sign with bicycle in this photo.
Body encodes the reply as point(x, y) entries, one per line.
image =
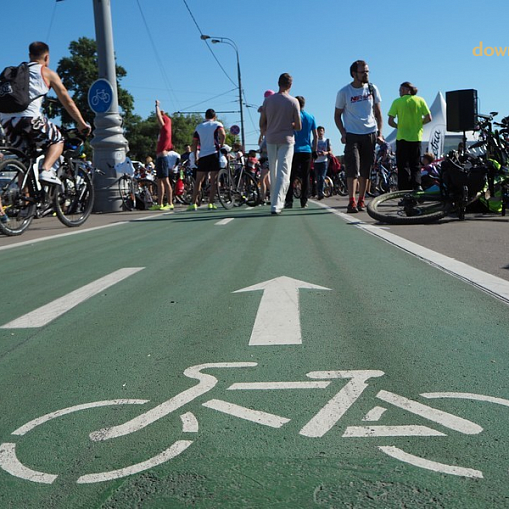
point(100, 96)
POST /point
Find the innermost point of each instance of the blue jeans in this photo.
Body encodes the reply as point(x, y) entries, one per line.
point(321, 173)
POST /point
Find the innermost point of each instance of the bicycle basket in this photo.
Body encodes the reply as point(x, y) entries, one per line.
point(456, 176)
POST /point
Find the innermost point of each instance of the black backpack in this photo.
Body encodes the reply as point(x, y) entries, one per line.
point(14, 88)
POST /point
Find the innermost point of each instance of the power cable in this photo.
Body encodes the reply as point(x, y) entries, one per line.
point(208, 46)
point(158, 59)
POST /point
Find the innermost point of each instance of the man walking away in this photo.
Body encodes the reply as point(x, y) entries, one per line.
point(303, 150)
point(280, 117)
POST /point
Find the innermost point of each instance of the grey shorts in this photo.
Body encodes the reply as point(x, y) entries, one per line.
point(359, 154)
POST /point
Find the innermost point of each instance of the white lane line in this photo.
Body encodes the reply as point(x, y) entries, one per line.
point(49, 312)
point(495, 286)
point(224, 221)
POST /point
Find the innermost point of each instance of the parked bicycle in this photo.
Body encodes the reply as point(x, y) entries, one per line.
point(342, 390)
point(25, 197)
point(464, 178)
point(383, 178)
point(237, 187)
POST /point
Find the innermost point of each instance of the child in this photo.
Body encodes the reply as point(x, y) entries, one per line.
point(430, 178)
point(252, 162)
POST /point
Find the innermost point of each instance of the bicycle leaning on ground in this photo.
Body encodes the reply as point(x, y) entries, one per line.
point(25, 197)
point(464, 178)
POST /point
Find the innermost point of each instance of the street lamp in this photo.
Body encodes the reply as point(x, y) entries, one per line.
point(226, 40)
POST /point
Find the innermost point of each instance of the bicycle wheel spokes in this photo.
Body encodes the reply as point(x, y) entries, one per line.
point(74, 199)
point(248, 189)
point(224, 188)
point(126, 192)
point(408, 207)
point(17, 205)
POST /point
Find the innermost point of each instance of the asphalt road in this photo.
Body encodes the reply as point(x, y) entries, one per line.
point(481, 241)
point(237, 359)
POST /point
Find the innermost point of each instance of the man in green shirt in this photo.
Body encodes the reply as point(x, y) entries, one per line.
point(412, 113)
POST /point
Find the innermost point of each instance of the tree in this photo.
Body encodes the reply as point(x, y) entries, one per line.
point(78, 72)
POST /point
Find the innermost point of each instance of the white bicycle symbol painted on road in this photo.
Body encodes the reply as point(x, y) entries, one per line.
point(322, 422)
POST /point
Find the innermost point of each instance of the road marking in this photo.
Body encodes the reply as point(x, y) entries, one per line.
point(224, 221)
point(493, 285)
point(276, 386)
point(278, 318)
point(274, 421)
point(391, 431)
point(11, 464)
point(435, 466)
point(177, 448)
point(47, 313)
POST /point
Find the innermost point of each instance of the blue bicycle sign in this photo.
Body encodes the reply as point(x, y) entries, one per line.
point(100, 96)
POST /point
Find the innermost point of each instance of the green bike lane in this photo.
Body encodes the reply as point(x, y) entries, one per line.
point(384, 310)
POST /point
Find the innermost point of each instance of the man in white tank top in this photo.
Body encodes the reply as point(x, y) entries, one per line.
point(31, 123)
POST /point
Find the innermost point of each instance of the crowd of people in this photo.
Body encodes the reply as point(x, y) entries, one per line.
point(291, 142)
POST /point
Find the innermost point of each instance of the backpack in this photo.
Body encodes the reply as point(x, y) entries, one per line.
point(14, 88)
point(334, 165)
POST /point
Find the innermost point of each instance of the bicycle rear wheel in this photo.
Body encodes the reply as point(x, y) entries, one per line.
point(17, 206)
point(74, 199)
point(340, 184)
point(126, 192)
point(146, 193)
point(328, 187)
point(297, 187)
point(248, 190)
point(408, 207)
point(225, 188)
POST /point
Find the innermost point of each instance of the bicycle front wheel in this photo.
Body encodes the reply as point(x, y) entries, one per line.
point(297, 187)
point(248, 189)
point(408, 207)
point(225, 188)
point(328, 187)
point(74, 199)
point(126, 192)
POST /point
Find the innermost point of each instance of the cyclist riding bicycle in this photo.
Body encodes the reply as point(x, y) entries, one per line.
point(31, 124)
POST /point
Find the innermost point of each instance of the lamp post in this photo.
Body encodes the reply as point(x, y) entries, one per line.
point(230, 42)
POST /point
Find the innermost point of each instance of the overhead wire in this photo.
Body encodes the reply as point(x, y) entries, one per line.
point(158, 58)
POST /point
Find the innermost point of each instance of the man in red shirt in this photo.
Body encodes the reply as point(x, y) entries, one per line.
point(164, 145)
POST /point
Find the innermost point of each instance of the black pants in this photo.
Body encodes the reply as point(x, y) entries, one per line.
point(408, 161)
point(301, 164)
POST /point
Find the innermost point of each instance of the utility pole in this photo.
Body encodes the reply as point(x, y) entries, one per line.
point(109, 144)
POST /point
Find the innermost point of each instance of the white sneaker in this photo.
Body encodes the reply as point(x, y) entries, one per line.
point(50, 177)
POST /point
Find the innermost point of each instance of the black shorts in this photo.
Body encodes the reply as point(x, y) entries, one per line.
point(359, 154)
point(209, 163)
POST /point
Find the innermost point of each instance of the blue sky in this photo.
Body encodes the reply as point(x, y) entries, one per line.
point(157, 41)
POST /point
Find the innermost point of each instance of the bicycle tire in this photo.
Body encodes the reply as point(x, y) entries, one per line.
point(249, 190)
point(408, 207)
point(297, 187)
point(340, 184)
point(225, 188)
point(18, 209)
point(74, 199)
point(126, 192)
point(328, 187)
point(187, 196)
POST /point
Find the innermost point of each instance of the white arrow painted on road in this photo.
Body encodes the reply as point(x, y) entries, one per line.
point(278, 318)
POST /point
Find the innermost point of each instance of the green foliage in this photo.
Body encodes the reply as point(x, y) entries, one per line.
point(78, 72)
